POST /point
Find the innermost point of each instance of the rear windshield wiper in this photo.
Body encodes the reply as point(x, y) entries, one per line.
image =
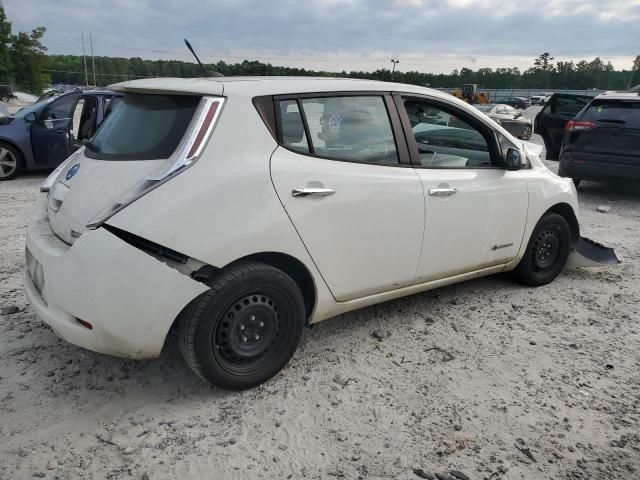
point(611, 120)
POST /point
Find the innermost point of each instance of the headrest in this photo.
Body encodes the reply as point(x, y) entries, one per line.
point(292, 128)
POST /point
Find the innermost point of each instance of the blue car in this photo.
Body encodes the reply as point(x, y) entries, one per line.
point(41, 136)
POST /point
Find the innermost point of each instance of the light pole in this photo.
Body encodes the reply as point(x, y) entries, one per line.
point(395, 61)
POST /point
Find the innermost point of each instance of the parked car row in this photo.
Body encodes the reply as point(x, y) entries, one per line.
point(593, 138)
point(511, 119)
point(41, 136)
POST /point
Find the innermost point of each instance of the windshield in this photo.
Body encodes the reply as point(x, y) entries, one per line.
point(484, 108)
point(143, 127)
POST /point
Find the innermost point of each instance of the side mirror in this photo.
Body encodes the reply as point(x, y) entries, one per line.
point(30, 117)
point(514, 159)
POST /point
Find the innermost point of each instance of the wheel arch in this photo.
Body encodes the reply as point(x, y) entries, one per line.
point(282, 261)
point(293, 267)
point(566, 211)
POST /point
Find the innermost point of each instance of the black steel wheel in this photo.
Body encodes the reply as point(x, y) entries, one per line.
point(245, 328)
point(547, 251)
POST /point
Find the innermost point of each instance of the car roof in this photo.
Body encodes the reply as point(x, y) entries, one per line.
point(256, 86)
point(99, 92)
point(619, 96)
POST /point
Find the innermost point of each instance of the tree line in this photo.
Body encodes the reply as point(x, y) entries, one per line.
point(25, 64)
point(69, 69)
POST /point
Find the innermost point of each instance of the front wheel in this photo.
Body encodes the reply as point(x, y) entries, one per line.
point(244, 330)
point(546, 253)
point(10, 161)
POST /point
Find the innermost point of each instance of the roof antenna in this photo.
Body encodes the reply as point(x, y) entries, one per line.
point(204, 70)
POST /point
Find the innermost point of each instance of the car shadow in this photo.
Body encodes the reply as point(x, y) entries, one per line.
point(613, 190)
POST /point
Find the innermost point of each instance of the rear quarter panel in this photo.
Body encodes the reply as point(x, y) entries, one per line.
point(224, 207)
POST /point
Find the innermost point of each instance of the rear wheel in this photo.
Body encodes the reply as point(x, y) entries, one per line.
point(10, 161)
point(245, 328)
point(546, 252)
point(526, 132)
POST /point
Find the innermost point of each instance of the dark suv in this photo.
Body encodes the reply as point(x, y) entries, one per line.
point(603, 140)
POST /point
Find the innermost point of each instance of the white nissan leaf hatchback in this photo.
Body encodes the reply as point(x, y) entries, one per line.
point(240, 210)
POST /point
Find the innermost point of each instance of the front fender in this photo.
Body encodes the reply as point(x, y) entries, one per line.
point(547, 192)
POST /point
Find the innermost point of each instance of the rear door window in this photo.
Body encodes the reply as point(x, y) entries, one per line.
point(350, 128)
point(614, 112)
point(143, 127)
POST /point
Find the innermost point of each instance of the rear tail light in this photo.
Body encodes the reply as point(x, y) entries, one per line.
point(575, 126)
point(186, 155)
point(53, 176)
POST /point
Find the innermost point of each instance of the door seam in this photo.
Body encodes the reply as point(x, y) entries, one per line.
point(294, 225)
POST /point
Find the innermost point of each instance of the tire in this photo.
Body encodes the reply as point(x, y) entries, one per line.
point(546, 252)
point(11, 161)
point(526, 132)
point(244, 330)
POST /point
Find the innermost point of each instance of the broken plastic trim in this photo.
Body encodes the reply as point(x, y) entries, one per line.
point(588, 253)
point(191, 267)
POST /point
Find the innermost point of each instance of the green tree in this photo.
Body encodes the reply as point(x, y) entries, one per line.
point(6, 66)
point(28, 55)
point(543, 62)
point(635, 72)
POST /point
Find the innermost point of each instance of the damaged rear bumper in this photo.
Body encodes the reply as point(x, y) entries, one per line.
point(129, 298)
point(588, 253)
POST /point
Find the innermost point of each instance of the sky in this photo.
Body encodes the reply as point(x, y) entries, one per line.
point(334, 35)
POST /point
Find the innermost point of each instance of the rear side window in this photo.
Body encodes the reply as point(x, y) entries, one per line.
point(355, 129)
point(614, 112)
point(143, 127)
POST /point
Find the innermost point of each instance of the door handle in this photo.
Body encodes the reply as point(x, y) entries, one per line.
point(312, 192)
point(442, 192)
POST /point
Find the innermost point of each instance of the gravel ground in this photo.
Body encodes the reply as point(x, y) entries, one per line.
point(487, 377)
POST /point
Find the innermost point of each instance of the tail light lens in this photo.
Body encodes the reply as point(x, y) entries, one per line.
point(186, 155)
point(53, 176)
point(575, 126)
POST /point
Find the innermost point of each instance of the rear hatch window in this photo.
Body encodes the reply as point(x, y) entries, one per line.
point(614, 112)
point(143, 127)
